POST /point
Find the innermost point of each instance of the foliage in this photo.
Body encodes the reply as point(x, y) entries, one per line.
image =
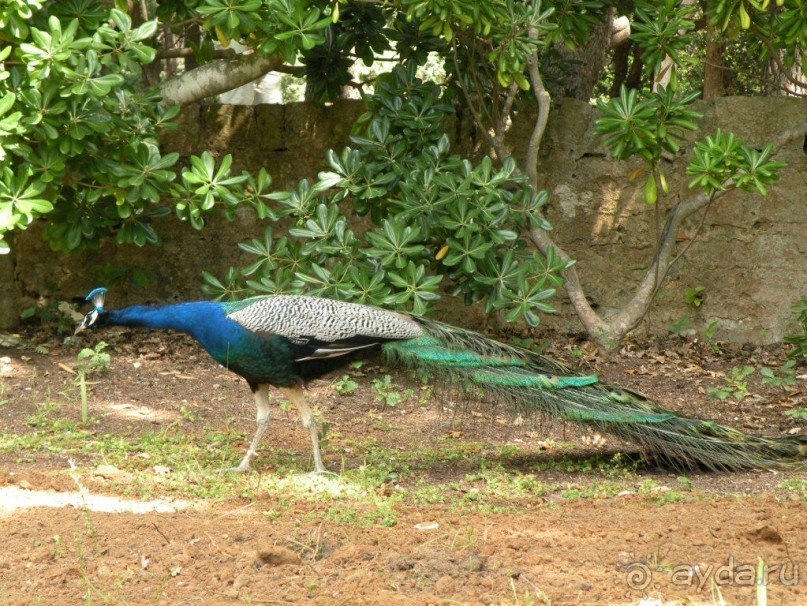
point(694, 296)
point(78, 137)
point(79, 127)
point(52, 314)
point(651, 124)
point(661, 31)
point(388, 393)
point(79, 131)
point(344, 385)
point(797, 413)
point(785, 378)
point(799, 342)
point(778, 31)
point(737, 385)
point(434, 216)
point(93, 359)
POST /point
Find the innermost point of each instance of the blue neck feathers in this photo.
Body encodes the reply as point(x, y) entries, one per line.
point(204, 321)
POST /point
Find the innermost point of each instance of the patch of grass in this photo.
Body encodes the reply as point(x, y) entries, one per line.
point(616, 466)
point(796, 486)
point(597, 490)
point(502, 484)
point(190, 461)
point(379, 512)
point(664, 495)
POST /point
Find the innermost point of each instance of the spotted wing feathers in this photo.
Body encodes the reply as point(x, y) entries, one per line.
point(323, 328)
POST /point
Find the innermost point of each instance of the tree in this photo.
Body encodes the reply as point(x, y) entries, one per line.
point(86, 87)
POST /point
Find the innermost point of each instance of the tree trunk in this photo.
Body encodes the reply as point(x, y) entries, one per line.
point(9, 295)
point(584, 65)
point(620, 60)
point(714, 73)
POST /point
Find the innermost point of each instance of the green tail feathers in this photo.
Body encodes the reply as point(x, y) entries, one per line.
point(534, 384)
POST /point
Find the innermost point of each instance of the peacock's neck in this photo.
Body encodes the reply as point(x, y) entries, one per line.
point(230, 344)
point(204, 321)
point(183, 317)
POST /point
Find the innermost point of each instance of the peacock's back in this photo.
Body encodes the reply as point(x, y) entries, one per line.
point(302, 319)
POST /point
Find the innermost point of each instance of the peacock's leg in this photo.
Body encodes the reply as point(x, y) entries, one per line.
point(295, 395)
point(262, 418)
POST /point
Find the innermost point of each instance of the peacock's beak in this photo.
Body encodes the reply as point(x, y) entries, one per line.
point(87, 320)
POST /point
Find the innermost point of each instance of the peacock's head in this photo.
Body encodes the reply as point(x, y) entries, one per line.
point(96, 297)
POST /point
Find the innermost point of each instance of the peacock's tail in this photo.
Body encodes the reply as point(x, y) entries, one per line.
point(534, 384)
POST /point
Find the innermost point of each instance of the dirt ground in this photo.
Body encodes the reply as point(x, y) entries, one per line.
point(430, 504)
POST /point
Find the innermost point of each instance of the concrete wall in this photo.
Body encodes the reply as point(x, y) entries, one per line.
point(751, 257)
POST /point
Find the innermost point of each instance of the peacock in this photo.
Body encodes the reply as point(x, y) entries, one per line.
point(284, 341)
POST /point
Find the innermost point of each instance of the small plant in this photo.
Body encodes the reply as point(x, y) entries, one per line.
point(797, 413)
point(686, 484)
point(709, 336)
point(680, 325)
point(344, 385)
point(88, 361)
point(799, 342)
point(694, 296)
point(786, 377)
point(795, 485)
point(95, 359)
point(388, 392)
point(51, 314)
point(737, 385)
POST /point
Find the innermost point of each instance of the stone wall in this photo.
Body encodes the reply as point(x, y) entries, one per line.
point(751, 257)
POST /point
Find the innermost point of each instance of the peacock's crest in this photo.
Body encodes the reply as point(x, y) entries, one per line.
point(96, 297)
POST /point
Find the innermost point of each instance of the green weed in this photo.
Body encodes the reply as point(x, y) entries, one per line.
point(89, 361)
point(344, 385)
point(694, 296)
point(799, 342)
point(737, 385)
point(785, 378)
point(680, 325)
point(388, 393)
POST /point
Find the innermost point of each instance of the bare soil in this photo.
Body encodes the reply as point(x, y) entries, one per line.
point(475, 507)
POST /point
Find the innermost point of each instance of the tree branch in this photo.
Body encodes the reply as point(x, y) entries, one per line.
point(217, 77)
point(631, 315)
point(477, 117)
point(543, 98)
point(777, 59)
point(620, 32)
point(591, 321)
point(182, 53)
